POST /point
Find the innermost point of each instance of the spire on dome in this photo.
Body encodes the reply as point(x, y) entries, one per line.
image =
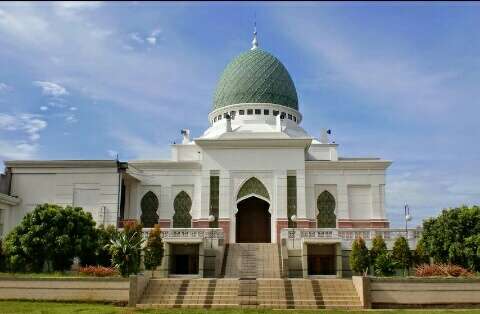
point(254, 41)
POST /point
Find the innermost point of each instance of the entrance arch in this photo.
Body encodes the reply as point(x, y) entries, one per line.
point(253, 221)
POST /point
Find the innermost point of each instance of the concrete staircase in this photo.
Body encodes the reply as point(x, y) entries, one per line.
point(252, 260)
point(251, 293)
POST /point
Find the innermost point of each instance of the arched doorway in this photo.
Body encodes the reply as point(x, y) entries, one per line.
point(253, 221)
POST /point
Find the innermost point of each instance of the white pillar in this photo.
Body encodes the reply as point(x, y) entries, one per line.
point(301, 204)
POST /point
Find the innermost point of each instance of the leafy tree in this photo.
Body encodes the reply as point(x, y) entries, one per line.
point(359, 257)
point(153, 250)
point(420, 255)
point(125, 248)
point(446, 236)
point(472, 251)
point(51, 235)
point(384, 265)
point(102, 254)
point(378, 247)
point(401, 254)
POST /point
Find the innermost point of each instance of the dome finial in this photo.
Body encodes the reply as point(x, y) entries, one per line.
point(254, 41)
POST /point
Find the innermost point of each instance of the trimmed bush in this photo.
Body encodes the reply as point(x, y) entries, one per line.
point(384, 265)
point(401, 254)
point(359, 257)
point(153, 250)
point(50, 237)
point(2, 258)
point(379, 247)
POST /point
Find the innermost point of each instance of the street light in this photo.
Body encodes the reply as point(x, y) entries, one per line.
point(211, 219)
point(408, 218)
point(293, 218)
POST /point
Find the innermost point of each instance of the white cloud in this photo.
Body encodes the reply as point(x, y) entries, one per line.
point(4, 87)
point(140, 148)
point(151, 40)
point(78, 4)
point(44, 108)
point(112, 153)
point(73, 108)
point(10, 150)
point(70, 118)
point(51, 89)
point(29, 124)
point(135, 37)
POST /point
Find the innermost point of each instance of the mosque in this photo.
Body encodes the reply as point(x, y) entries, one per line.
point(254, 176)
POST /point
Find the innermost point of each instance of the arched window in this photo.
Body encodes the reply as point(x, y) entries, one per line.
point(253, 186)
point(182, 205)
point(149, 206)
point(326, 210)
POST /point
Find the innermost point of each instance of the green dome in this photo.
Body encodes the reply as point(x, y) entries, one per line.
point(255, 76)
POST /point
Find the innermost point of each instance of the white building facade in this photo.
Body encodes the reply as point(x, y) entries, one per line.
point(252, 173)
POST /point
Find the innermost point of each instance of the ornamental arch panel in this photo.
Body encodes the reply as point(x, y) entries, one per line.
point(253, 186)
point(182, 205)
point(149, 206)
point(326, 211)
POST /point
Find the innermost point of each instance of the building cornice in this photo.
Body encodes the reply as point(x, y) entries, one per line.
point(164, 164)
point(372, 164)
point(9, 200)
point(61, 163)
point(254, 143)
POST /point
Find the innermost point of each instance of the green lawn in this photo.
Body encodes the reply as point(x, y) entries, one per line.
point(10, 307)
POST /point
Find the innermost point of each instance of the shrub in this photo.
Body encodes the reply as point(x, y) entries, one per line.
point(125, 248)
point(153, 250)
point(401, 254)
point(379, 247)
point(384, 265)
point(2, 258)
point(446, 236)
point(51, 235)
point(420, 255)
point(359, 257)
point(443, 270)
point(98, 271)
point(105, 234)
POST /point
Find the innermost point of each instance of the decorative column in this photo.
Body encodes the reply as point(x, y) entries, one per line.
point(225, 204)
point(280, 182)
point(302, 219)
point(201, 221)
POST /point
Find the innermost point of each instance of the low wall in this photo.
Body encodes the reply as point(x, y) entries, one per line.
point(138, 284)
point(424, 292)
point(65, 289)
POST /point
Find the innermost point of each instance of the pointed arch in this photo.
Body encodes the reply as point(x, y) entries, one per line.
point(326, 211)
point(253, 186)
point(182, 205)
point(149, 206)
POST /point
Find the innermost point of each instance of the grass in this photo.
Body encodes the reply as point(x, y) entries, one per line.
point(31, 307)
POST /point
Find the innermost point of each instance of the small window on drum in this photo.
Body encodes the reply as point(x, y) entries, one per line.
point(283, 114)
point(258, 111)
point(266, 112)
point(294, 118)
point(249, 111)
point(241, 112)
point(232, 114)
point(290, 117)
point(219, 118)
point(215, 119)
point(275, 112)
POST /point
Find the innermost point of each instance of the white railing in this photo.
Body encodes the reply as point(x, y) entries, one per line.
point(188, 233)
point(347, 235)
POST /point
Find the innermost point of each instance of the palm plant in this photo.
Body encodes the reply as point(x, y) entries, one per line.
point(126, 251)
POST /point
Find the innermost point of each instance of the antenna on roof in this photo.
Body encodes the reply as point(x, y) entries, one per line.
point(254, 41)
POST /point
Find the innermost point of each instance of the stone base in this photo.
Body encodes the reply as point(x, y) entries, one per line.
point(363, 223)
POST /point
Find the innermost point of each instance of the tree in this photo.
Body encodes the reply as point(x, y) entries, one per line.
point(51, 236)
point(420, 255)
point(2, 258)
point(153, 250)
point(359, 257)
point(446, 236)
point(472, 251)
point(379, 247)
point(102, 253)
point(401, 254)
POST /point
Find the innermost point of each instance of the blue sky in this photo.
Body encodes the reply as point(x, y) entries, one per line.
point(394, 80)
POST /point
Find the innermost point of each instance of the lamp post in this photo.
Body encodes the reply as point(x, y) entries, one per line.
point(211, 219)
point(408, 218)
point(293, 218)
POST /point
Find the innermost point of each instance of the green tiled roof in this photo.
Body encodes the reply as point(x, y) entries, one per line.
point(255, 76)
